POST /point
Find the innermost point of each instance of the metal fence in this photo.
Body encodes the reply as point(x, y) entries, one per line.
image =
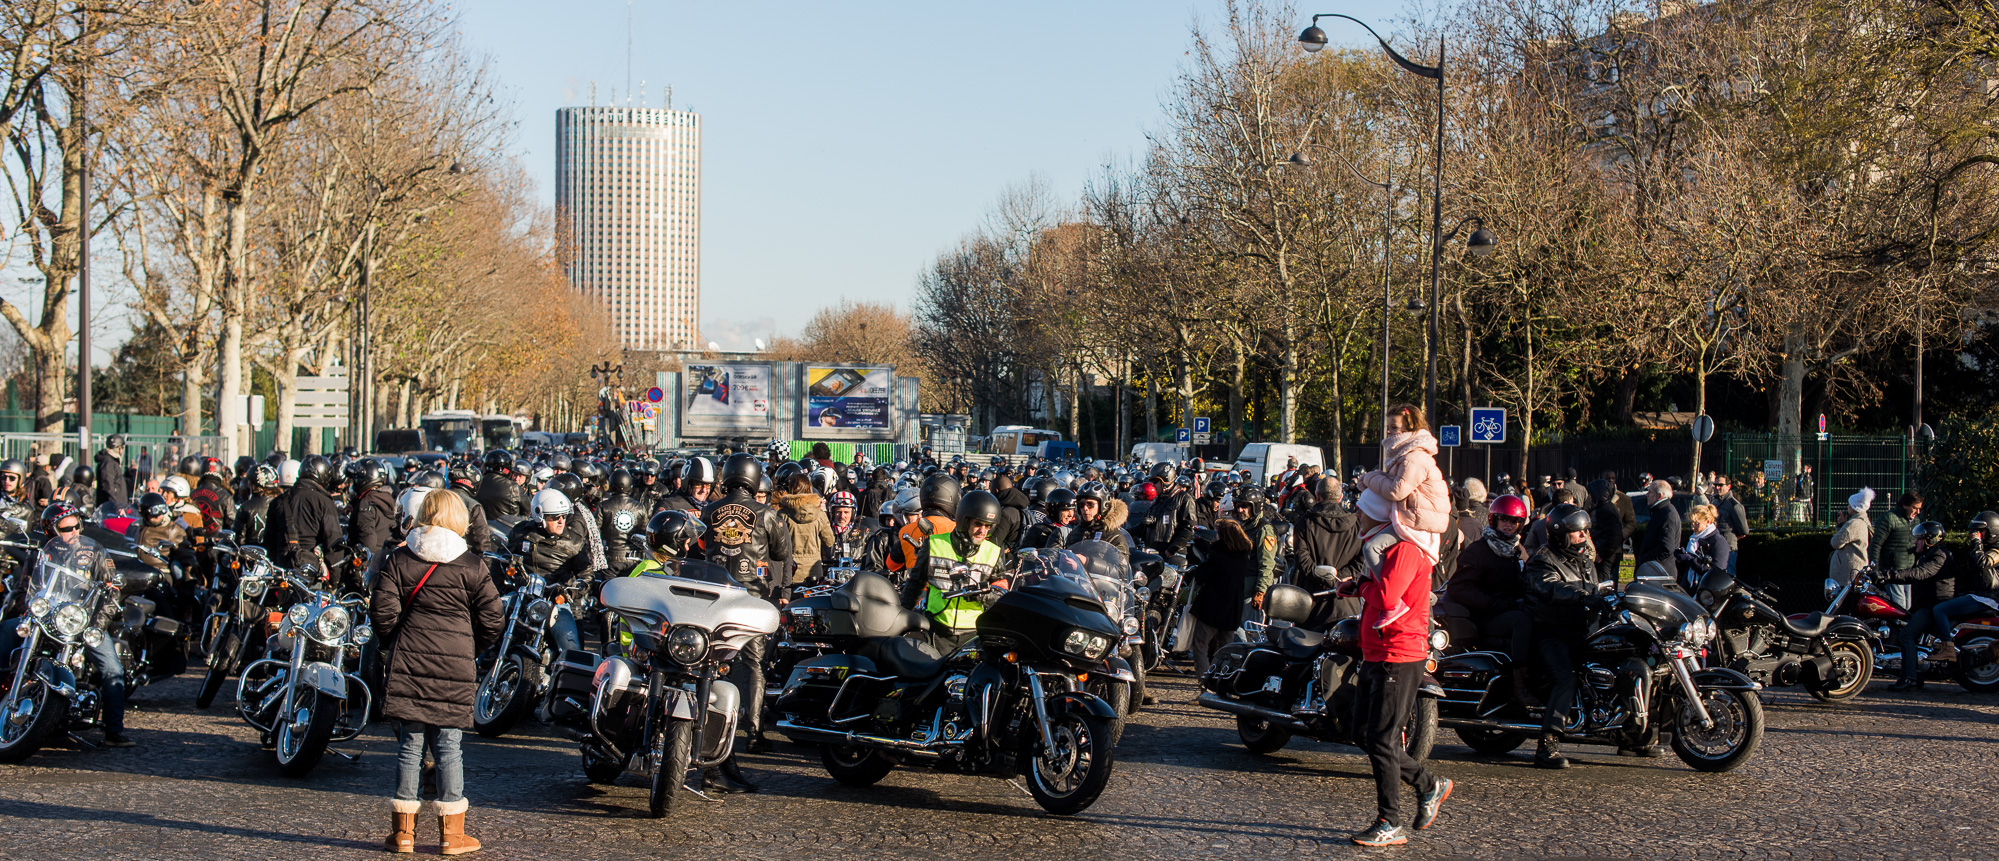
point(147, 453)
point(1807, 481)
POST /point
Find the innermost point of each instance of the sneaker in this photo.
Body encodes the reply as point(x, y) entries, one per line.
point(1430, 802)
point(1382, 834)
point(119, 741)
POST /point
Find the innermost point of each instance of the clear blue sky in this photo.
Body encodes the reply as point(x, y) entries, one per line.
point(844, 145)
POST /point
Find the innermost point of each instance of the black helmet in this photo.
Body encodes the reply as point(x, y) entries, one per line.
point(1060, 499)
point(1565, 520)
point(1165, 471)
point(464, 471)
point(428, 478)
point(1216, 489)
point(55, 513)
point(244, 464)
point(621, 481)
point(1037, 490)
point(560, 463)
point(189, 465)
point(83, 476)
point(154, 505)
point(673, 532)
point(698, 470)
point(785, 471)
point(1250, 498)
point(1986, 522)
point(940, 494)
point(742, 470)
point(499, 460)
point(589, 471)
point(366, 473)
point(569, 483)
point(1093, 490)
point(1928, 530)
point(317, 469)
point(977, 507)
point(763, 484)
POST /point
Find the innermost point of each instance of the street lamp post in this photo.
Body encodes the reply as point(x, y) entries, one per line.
point(1387, 226)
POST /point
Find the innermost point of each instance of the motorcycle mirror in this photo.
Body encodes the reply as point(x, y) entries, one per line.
point(226, 534)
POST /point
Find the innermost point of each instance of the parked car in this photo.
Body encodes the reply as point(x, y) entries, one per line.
point(1266, 460)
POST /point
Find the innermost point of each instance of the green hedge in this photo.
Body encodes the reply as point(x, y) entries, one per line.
point(1795, 563)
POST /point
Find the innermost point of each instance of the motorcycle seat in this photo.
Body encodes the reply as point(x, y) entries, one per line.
point(1807, 624)
point(1297, 643)
point(904, 658)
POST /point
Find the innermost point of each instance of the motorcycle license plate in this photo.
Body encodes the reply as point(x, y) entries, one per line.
point(1273, 685)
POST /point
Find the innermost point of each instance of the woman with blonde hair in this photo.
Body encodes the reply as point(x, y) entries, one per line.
point(435, 610)
point(1704, 540)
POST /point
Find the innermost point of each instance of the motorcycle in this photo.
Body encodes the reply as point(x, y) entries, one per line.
point(787, 650)
point(1637, 671)
point(515, 673)
point(236, 629)
point(53, 687)
point(1005, 702)
point(1289, 680)
point(1831, 657)
point(1976, 667)
point(666, 708)
point(1120, 682)
point(305, 693)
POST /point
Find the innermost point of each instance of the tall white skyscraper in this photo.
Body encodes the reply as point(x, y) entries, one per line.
point(628, 203)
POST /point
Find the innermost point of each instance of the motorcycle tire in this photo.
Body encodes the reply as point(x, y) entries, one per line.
point(1419, 736)
point(674, 750)
point(297, 751)
point(1259, 736)
point(1069, 778)
point(50, 710)
point(502, 699)
point(1843, 652)
point(856, 766)
point(221, 665)
point(1738, 717)
point(1491, 742)
point(1980, 675)
point(1137, 693)
point(1118, 696)
point(600, 767)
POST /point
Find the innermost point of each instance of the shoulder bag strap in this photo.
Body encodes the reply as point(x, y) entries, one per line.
point(390, 640)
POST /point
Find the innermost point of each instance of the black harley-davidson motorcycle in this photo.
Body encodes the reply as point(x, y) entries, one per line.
point(1637, 671)
point(1831, 657)
point(1007, 702)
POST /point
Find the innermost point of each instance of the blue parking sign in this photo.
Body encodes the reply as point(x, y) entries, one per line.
point(1488, 425)
point(1200, 424)
point(1180, 436)
point(1448, 436)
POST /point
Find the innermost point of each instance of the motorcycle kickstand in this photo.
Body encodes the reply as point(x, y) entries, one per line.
point(343, 754)
point(1015, 783)
point(87, 744)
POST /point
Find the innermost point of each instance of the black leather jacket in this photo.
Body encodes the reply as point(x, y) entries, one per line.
point(251, 517)
point(748, 538)
point(501, 497)
point(303, 520)
point(618, 518)
point(1560, 585)
point(478, 536)
point(371, 520)
point(557, 558)
point(1173, 519)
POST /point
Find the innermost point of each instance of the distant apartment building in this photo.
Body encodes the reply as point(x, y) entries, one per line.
point(628, 210)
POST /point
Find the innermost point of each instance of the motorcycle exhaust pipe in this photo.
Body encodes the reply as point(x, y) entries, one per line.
point(1234, 707)
point(827, 736)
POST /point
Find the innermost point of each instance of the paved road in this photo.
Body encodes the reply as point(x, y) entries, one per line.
point(1891, 777)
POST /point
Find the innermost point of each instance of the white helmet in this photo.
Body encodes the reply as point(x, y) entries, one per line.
point(412, 502)
point(909, 500)
point(288, 473)
point(177, 485)
point(549, 502)
point(825, 481)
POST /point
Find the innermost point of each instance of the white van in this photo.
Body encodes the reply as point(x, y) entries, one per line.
point(1266, 460)
point(1149, 453)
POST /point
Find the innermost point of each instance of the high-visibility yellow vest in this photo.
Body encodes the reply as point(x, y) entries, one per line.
point(956, 613)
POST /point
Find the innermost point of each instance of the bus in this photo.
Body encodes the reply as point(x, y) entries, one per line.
point(499, 431)
point(452, 431)
point(1019, 439)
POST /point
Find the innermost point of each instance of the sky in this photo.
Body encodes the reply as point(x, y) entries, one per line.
point(844, 146)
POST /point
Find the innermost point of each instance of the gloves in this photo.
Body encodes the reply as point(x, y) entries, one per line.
point(1683, 557)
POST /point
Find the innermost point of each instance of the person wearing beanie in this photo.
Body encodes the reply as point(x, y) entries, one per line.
point(1850, 541)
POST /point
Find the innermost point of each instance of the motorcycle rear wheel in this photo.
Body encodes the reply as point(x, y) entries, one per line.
point(673, 750)
point(1738, 730)
point(298, 749)
point(221, 664)
point(1069, 778)
point(1491, 742)
point(856, 766)
point(1259, 736)
point(1848, 656)
point(502, 698)
point(18, 742)
point(1983, 677)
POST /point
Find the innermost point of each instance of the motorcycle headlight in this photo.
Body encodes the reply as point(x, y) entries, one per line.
point(39, 607)
point(298, 615)
point(1831, 588)
point(1130, 626)
point(1086, 645)
point(332, 624)
point(1440, 640)
point(538, 611)
point(687, 644)
point(93, 638)
point(70, 620)
point(363, 634)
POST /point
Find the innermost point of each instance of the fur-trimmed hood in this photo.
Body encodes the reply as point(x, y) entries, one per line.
point(800, 507)
point(1115, 514)
point(432, 544)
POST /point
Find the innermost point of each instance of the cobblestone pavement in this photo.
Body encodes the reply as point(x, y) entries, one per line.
point(1891, 776)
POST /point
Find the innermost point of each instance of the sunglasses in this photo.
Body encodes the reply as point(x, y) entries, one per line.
point(65, 530)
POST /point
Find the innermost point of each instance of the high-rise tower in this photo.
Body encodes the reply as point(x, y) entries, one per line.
point(628, 205)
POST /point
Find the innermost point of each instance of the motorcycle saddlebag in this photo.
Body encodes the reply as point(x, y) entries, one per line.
point(569, 685)
point(138, 610)
point(1241, 669)
point(815, 682)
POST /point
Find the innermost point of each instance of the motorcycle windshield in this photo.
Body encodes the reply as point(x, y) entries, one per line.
point(1664, 607)
point(1116, 595)
point(59, 580)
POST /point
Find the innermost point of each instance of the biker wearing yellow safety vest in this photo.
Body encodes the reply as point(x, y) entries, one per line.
point(957, 561)
point(939, 497)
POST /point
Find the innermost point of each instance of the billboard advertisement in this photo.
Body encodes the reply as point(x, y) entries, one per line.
point(847, 401)
point(725, 400)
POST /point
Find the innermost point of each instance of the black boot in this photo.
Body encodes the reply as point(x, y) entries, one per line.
point(758, 743)
point(1549, 754)
point(725, 778)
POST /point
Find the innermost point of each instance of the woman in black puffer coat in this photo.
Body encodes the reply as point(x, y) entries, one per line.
point(436, 610)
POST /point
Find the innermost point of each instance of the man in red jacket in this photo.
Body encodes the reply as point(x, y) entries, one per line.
point(1394, 644)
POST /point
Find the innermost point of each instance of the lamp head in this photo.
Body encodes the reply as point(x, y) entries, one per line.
point(1301, 159)
point(1482, 243)
point(1314, 39)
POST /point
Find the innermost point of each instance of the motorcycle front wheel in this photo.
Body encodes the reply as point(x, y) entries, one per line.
point(29, 719)
point(856, 766)
point(1737, 730)
point(1419, 735)
point(222, 654)
point(303, 735)
point(673, 749)
point(1853, 665)
point(1977, 665)
point(1068, 777)
point(502, 699)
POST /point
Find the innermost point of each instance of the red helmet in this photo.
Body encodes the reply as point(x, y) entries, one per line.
point(1508, 506)
point(1149, 491)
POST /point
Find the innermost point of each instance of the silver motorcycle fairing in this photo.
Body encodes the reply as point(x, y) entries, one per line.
point(325, 678)
point(668, 601)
